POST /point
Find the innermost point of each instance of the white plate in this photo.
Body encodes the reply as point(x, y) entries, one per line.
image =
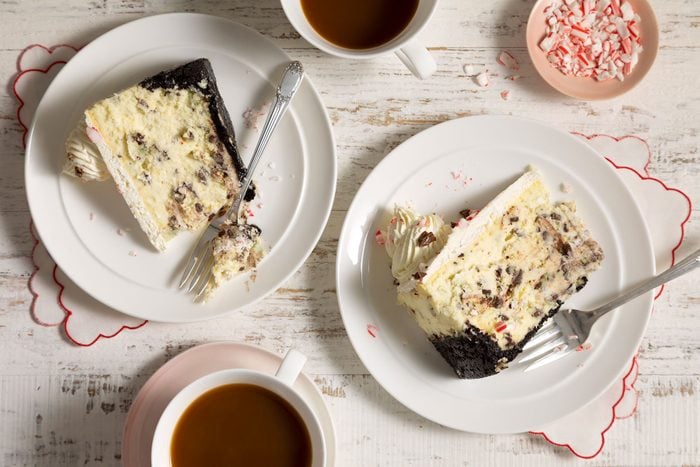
point(490, 153)
point(124, 271)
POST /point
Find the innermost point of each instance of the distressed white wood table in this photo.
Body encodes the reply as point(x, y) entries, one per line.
point(61, 405)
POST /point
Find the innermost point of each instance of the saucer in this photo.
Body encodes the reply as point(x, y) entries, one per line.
point(192, 364)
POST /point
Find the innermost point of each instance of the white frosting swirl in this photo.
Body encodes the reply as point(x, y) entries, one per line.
point(407, 256)
point(83, 159)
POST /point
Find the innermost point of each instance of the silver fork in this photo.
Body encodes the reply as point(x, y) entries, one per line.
point(570, 328)
point(199, 266)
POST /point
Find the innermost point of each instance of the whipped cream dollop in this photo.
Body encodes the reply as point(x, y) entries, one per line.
point(412, 241)
point(83, 159)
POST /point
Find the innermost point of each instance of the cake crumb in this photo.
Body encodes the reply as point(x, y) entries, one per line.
point(260, 205)
point(132, 253)
point(120, 232)
point(92, 215)
point(271, 165)
point(275, 178)
point(456, 175)
point(468, 70)
point(565, 187)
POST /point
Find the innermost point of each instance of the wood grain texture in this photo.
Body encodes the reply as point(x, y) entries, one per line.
point(62, 406)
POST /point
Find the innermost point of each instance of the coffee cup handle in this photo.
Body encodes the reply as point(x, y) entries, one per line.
point(291, 366)
point(417, 59)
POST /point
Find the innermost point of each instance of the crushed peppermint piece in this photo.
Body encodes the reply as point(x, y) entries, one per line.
point(132, 253)
point(372, 330)
point(468, 70)
point(379, 238)
point(513, 77)
point(597, 39)
point(505, 94)
point(501, 326)
point(456, 175)
point(260, 205)
point(482, 79)
point(572, 337)
point(250, 213)
point(508, 61)
point(583, 347)
point(252, 115)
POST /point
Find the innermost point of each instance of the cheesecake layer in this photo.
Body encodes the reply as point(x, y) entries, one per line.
point(237, 249)
point(169, 145)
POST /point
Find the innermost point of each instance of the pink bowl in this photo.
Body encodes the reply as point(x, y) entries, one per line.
point(589, 88)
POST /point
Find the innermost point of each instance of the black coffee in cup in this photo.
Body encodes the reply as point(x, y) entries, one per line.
point(359, 24)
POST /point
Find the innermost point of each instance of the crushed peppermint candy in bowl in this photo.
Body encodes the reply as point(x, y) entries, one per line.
point(592, 49)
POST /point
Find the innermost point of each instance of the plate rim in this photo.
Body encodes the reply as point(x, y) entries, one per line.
point(324, 123)
point(345, 233)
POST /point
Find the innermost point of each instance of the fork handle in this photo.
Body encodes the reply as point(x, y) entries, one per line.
point(291, 80)
point(682, 267)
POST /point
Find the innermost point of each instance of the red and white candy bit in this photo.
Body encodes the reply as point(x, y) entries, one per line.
point(584, 347)
point(505, 94)
point(482, 79)
point(501, 326)
point(508, 61)
point(379, 238)
point(597, 39)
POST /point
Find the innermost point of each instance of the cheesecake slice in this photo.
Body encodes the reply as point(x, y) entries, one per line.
point(169, 145)
point(501, 273)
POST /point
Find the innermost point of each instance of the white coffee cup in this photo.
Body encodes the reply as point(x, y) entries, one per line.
point(281, 384)
point(414, 55)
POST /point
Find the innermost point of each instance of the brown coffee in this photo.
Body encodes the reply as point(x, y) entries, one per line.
point(240, 425)
point(359, 24)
